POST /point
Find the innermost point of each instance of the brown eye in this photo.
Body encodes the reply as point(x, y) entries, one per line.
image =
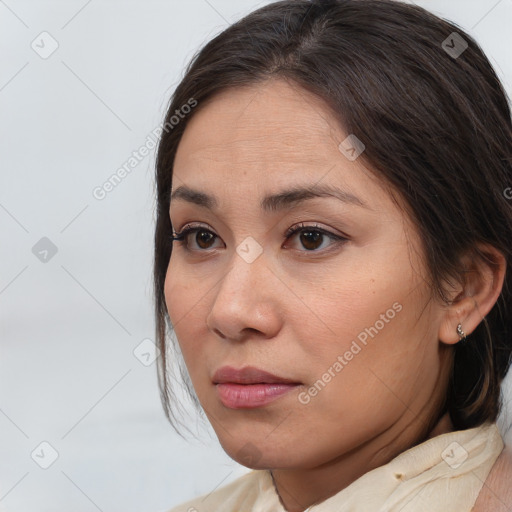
point(311, 240)
point(204, 238)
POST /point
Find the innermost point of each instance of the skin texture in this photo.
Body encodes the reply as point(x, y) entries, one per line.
point(293, 311)
point(496, 494)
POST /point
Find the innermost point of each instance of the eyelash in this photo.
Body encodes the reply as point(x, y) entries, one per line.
point(181, 237)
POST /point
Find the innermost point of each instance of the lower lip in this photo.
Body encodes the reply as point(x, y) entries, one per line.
point(249, 396)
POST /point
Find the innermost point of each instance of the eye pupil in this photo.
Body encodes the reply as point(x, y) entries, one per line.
point(203, 237)
point(309, 239)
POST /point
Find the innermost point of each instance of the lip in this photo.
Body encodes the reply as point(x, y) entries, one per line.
point(248, 375)
point(250, 387)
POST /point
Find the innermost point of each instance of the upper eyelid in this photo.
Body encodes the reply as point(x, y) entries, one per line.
point(302, 226)
point(296, 227)
point(335, 239)
point(193, 226)
point(293, 230)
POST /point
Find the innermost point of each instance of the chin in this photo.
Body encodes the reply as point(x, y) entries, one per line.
point(261, 455)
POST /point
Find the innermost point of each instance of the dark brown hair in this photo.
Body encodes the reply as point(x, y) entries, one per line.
point(436, 127)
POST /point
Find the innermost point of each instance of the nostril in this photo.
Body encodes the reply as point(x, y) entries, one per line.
point(218, 333)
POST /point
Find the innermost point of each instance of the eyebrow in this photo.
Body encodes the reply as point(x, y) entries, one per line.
point(275, 202)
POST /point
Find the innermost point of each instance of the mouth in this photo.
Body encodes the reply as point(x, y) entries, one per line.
point(250, 387)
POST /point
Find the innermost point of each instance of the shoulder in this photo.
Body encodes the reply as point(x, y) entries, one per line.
point(496, 493)
point(241, 492)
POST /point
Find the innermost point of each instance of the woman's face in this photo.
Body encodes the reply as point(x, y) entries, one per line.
point(340, 309)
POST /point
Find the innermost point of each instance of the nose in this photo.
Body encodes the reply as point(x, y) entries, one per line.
point(246, 301)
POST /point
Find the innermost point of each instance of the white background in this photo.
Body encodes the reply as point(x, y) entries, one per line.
point(68, 375)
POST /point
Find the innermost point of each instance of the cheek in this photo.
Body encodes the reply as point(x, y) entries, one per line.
point(172, 290)
point(180, 294)
point(179, 303)
point(382, 356)
point(372, 318)
point(186, 303)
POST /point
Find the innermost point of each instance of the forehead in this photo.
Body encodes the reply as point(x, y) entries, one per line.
point(261, 138)
point(274, 120)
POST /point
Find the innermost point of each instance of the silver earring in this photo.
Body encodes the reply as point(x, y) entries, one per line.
point(461, 333)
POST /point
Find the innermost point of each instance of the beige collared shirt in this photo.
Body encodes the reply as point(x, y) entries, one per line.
point(442, 474)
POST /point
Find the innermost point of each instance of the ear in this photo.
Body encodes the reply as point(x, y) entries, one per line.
point(482, 282)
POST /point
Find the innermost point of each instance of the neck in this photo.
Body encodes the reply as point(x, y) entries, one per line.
point(300, 489)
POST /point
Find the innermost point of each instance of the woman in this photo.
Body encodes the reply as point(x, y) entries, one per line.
point(333, 234)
